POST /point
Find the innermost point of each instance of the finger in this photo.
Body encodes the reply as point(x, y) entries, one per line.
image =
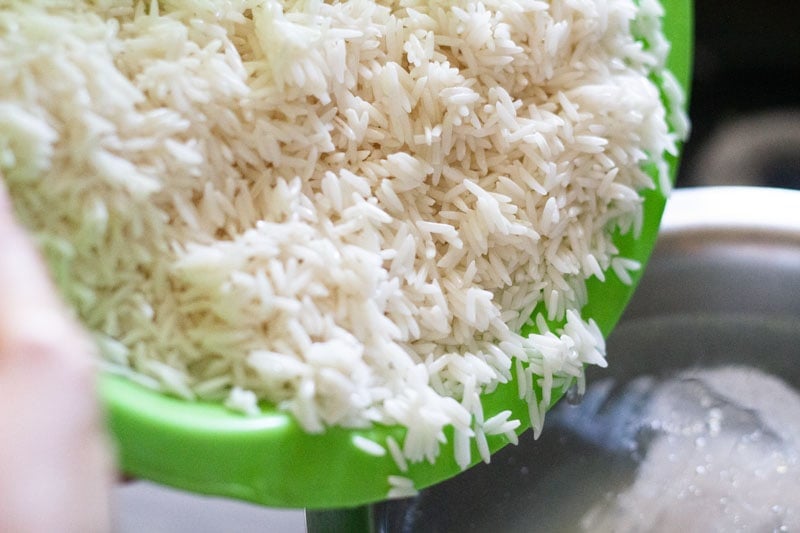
point(55, 464)
point(29, 307)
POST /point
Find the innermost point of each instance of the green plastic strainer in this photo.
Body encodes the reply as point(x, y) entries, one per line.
point(269, 459)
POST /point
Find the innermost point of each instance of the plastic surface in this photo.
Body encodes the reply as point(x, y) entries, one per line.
point(270, 460)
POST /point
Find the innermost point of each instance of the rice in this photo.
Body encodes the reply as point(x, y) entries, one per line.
point(368, 446)
point(401, 487)
point(397, 454)
point(344, 209)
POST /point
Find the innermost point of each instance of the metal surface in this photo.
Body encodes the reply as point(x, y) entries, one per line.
point(722, 287)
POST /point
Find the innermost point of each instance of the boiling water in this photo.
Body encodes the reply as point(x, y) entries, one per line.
point(718, 451)
point(692, 431)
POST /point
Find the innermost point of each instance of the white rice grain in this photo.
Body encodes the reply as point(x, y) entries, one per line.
point(353, 230)
point(368, 446)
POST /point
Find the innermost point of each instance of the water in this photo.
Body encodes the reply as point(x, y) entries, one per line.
point(717, 449)
point(690, 431)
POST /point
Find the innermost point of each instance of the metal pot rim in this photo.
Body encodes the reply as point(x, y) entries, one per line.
point(731, 208)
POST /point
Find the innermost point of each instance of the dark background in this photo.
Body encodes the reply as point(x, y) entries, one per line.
point(745, 100)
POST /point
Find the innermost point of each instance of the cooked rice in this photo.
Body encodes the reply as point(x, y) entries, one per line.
point(346, 210)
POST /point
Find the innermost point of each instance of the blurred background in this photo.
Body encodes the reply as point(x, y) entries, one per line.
point(745, 101)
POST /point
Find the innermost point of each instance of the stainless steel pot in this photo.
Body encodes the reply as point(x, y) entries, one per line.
point(722, 290)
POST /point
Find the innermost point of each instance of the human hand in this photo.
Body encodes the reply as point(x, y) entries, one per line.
point(55, 464)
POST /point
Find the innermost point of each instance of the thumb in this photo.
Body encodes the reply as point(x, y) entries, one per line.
point(29, 305)
point(55, 463)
